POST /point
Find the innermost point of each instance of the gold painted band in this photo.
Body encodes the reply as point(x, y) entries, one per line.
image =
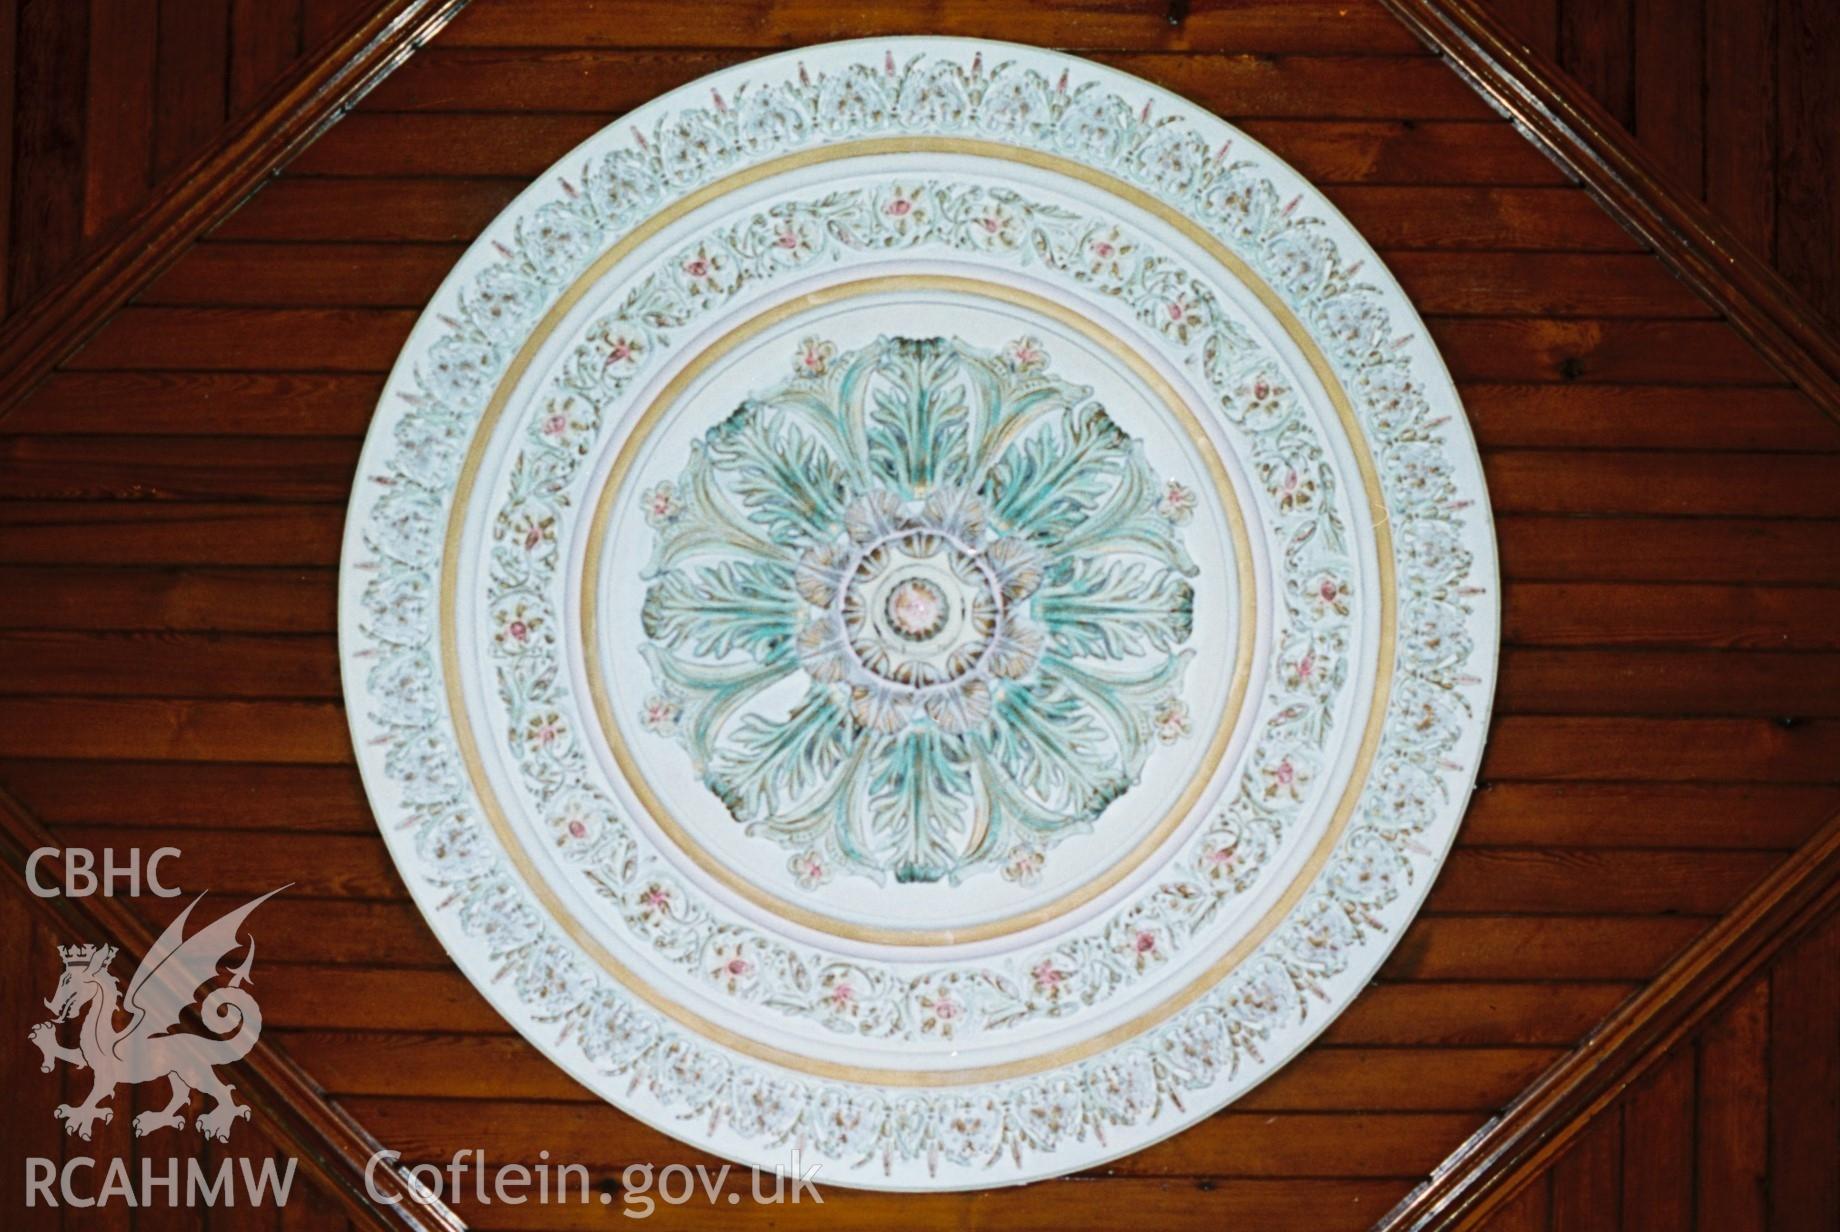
point(1216, 971)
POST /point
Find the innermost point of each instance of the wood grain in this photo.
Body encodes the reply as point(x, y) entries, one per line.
point(171, 506)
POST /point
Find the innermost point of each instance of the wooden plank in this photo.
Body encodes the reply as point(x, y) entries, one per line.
point(1405, 152)
point(1740, 139)
point(322, 20)
point(1595, 47)
point(1562, 1108)
point(607, 82)
point(168, 665)
point(1611, 549)
point(1250, 26)
point(1646, 416)
point(1807, 153)
point(341, 997)
point(1538, 947)
point(1364, 86)
point(1669, 78)
point(1398, 1080)
point(317, 799)
point(1805, 1082)
point(31, 973)
point(1586, 1182)
point(297, 208)
point(1690, 750)
point(315, 865)
point(288, 470)
point(311, 1209)
point(1475, 1014)
point(47, 180)
point(1557, 112)
point(1528, 1211)
point(525, 143)
point(295, 733)
point(199, 404)
point(192, 85)
point(1669, 682)
point(216, 183)
point(1505, 349)
point(1543, 284)
point(1636, 614)
point(1658, 1147)
point(264, 40)
point(1536, 24)
point(1733, 1117)
point(305, 275)
point(169, 599)
point(118, 130)
point(116, 533)
point(1596, 880)
point(323, 930)
point(1645, 482)
point(9, 74)
point(1683, 815)
point(243, 339)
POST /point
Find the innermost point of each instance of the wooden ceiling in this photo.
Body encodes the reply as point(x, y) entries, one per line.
point(1668, 717)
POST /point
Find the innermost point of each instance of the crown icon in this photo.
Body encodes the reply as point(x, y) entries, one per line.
point(80, 955)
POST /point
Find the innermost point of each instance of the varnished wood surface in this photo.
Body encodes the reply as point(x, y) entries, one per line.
point(1736, 99)
point(1736, 1130)
point(171, 504)
point(105, 99)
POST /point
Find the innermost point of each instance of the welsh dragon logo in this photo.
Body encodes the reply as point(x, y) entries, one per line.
point(148, 1047)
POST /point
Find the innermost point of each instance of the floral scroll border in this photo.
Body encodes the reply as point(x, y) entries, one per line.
point(853, 996)
point(954, 1136)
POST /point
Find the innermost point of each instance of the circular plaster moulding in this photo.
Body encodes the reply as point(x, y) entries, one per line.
point(920, 600)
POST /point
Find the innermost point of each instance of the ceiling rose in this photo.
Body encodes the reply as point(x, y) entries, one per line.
point(922, 600)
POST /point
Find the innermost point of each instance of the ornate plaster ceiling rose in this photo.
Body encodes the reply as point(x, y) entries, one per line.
point(923, 600)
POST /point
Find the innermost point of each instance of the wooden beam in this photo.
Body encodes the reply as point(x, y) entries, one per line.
point(1491, 1168)
point(202, 193)
point(333, 1149)
point(1559, 115)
